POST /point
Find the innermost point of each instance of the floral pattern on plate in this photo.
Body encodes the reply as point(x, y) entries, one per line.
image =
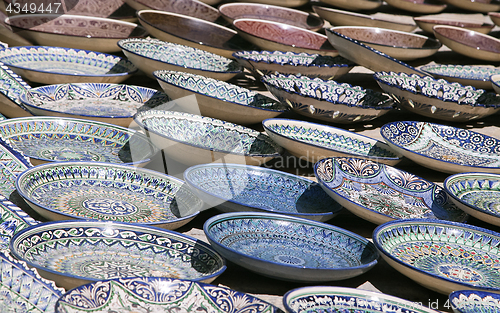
point(12, 85)
point(12, 220)
point(473, 301)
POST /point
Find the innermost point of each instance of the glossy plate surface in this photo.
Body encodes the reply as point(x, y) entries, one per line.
point(474, 75)
point(473, 301)
point(11, 87)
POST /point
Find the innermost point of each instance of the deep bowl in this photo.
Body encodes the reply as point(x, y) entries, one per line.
point(290, 248)
point(426, 23)
point(55, 65)
point(234, 187)
point(73, 253)
point(192, 8)
point(473, 301)
point(150, 55)
point(327, 100)
point(438, 98)
point(474, 75)
point(219, 99)
point(11, 87)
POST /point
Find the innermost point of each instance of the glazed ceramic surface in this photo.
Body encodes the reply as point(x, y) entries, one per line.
point(495, 82)
point(418, 6)
point(187, 7)
point(12, 220)
point(444, 148)
point(287, 62)
point(427, 22)
point(327, 100)
point(269, 35)
point(438, 98)
point(473, 301)
point(107, 192)
point(193, 139)
point(474, 75)
point(55, 65)
point(283, 3)
point(158, 294)
point(150, 55)
point(355, 5)
point(477, 194)
point(313, 142)
point(11, 87)
point(110, 103)
point(495, 17)
point(234, 11)
point(475, 6)
point(380, 193)
point(342, 299)
point(440, 255)
point(48, 139)
point(290, 248)
point(12, 163)
point(73, 253)
point(397, 44)
point(219, 99)
point(233, 187)
point(115, 9)
point(74, 31)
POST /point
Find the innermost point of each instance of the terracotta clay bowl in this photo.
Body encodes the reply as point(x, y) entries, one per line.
point(426, 23)
point(192, 8)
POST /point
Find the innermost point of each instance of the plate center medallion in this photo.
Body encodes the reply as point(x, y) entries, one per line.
point(109, 206)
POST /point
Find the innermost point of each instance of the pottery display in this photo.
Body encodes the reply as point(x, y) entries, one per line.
point(419, 6)
point(427, 22)
point(11, 87)
point(473, 75)
point(186, 7)
point(473, 301)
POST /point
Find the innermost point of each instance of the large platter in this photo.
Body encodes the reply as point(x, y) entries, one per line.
point(473, 75)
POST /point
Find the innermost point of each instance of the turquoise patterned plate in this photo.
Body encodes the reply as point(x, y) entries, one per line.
point(473, 75)
point(380, 193)
point(158, 294)
point(11, 87)
point(473, 301)
point(73, 253)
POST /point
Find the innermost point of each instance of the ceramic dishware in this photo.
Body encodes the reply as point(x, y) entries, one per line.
point(283, 3)
point(418, 6)
point(12, 220)
point(192, 8)
point(427, 22)
point(12, 163)
point(475, 6)
point(11, 87)
point(472, 301)
point(8, 36)
point(495, 82)
point(474, 75)
point(355, 5)
point(495, 17)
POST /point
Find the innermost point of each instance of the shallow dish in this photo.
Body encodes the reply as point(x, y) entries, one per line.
point(468, 42)
point(156, 294)
point(150, 55)
point(397, 44)
point(110, 103)
point(12, 220)
point(73, 253)
point(474, 75)
point(327, 100)
point(219, 99)
point(379, 193)
point(251, 241)
point(192, 8)
point(234, 11)
point(495, 17)
point(426, 23)
point(418, 6)
point(55, 65)
point(438, 98)
point(12, 163)
point(74, 31)
point(355, 5)
point(475, 6)
point(117, 193)
point(8, 36)
point(473, 301)
point(283, 3)
point(193, 32)
point(234, 187)
point(275, 36)
point(47, 139)
point(193, 139)
point(115, 9)
point(444, 148)
point(11, 87)
point(495, 83)
point(313, 142)
point(440, 255)
point(287, 62)
point(348, 18)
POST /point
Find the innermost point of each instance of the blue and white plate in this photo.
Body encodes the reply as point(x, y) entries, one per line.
point(290, 248)
point(473, 301)
point(12, 163)
point(444, 148)
point(473, 75)
point(12, 220)
point(11, 87)
point(380, 193)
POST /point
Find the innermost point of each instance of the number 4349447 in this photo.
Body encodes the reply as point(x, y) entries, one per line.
point(15, 7)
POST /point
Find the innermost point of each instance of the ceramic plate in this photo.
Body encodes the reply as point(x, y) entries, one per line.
point(73, 253)
point(158, 294)
point(11, 87)
point(47, 139)
point(313, 142)
point(473, 301)
point(440, 255)
point(474, 75)
point(495, 83)
point(187, 7)
point(475, 6)
point(290, 248)
point(109, 103)
point(56, 65)
point(426, 22)
point(12, 163)
point(444, 148)
point(107, 192)
point(233, 187)
point(418, 6)
point(12, 220)
point(355, 5)
point(380, 193)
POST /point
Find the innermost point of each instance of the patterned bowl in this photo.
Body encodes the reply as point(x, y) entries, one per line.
point(342, 299)
point(327, 100)
point(313, 142)
point(380, 193)
point(219, 99)
point(12, 220)
point(55, 65)
point(287, 62)
point(444, 148)
point(150, 55)
point(355, 5)
point(418, 6)
point(441, 255)
point(193, 139)
point(438, 98)
point(192, 8)
point(11, 87)
point(474, 75)
point(73, 253)
point(158, 294)
point(475, 6)
point(74, 31)
point(473, 301)
point(12, 163)
point(275, 36)
point(109, 103)
point(477, 194)
point(427, 22)
point(107, 192)
point(47, 139)
point(289, 248)
point(7, 35)
point(495, 82)
point(235, 187)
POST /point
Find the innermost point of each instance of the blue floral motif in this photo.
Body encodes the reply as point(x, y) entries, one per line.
point(12, 85)
point(473, 301)
point(473, 72)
